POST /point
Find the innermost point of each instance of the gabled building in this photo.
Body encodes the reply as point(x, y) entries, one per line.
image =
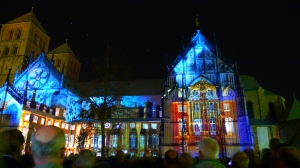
point(289, 124)
point(202, 96)
point(264, 110)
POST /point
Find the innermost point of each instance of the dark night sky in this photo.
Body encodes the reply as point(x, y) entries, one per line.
point(263, 36)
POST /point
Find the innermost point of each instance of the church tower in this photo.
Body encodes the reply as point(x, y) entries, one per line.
point(65, 60)
point(20, 38)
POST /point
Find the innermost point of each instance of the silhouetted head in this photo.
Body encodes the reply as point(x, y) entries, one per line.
point(208, 148)
point(48, 145)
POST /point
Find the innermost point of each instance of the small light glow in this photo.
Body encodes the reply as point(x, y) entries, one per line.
point(26, 118)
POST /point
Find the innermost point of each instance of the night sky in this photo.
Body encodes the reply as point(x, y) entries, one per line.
point(263, 36)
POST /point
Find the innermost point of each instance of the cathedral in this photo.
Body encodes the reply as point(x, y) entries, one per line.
point(203, 95)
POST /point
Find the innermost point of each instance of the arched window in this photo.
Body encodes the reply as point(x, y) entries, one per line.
point(19, 32)
point(229, 125)
point(250, 109)
point(41, 43)
point(6, 50)
point(15, 50)
point(35, 38)
point(272, 112)
point(10, 34)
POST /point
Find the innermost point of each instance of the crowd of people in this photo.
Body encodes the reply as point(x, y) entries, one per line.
point(47, 150)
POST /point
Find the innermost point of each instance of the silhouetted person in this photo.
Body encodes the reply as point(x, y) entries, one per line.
point(273, 143)
point(11, 143)
point(285, 156)
point(240, 160)
point(119, 162)
point(171, 159)
point(48, 147)
point(254, 161)
point(186, 161)
point(85, 159)
point(208, 154)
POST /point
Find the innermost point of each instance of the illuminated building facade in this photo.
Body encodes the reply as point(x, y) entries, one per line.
point(202, 96)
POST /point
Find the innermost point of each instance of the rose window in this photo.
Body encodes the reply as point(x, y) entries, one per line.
point(38, 77)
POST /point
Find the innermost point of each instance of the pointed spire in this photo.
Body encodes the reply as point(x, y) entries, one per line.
point(32, 6)
point(67, 37)
point(197, 21)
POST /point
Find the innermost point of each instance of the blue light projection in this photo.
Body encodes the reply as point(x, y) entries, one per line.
point(11, 107)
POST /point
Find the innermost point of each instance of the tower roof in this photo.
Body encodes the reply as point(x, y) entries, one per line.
point(29, 17)
point(64, 48)
point(294, 112)
point(250, 84)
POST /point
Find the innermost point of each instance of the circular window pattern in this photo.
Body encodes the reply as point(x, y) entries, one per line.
point(195, 95)
point(38, 77)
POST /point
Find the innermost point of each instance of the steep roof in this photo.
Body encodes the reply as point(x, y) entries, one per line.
point(64, 48)
point(250, 84)
point(29, 17)
point(295, 110)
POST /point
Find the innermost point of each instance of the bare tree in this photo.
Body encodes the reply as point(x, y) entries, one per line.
point(103, 94)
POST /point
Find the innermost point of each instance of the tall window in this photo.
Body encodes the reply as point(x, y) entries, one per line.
point(196, 107)
point(100, 141)
point(41, 42)
point(197, 126)
point(180, 124)
point(34, 38)
point(10, 34)
point(19, 31)
point(6, 51)
point(71, 141)
point(154, 141)
point(67, 140)
point(142, 140)
point(229, 125)
point(212, 123)
point(114, 141)
point(15, 50)
point(250, 109)
point(132, 141)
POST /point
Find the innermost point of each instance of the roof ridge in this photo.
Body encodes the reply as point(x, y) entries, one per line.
point(28, 17)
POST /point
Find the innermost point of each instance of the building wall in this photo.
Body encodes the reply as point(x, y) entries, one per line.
point(20, 39)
